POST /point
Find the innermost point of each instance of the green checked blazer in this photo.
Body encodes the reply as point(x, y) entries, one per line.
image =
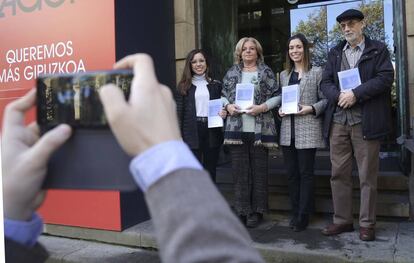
point(308, 128)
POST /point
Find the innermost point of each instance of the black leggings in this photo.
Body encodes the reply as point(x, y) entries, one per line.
point(300, 167)
point(207, 156)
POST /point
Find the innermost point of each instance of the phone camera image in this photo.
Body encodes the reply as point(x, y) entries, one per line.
point(74, 99)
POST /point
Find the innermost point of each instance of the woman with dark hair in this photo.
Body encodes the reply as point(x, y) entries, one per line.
point(301, 133)
point(194, 91)
point(249, 134)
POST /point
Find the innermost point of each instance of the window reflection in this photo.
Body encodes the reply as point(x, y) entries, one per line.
point(312, 22)
point(272, 22)
point(318, 23)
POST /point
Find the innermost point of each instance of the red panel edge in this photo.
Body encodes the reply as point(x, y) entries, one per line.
point(89, 209)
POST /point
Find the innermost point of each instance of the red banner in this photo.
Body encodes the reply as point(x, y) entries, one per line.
point(59, 36)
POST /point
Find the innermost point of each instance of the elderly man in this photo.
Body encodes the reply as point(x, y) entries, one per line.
point(356, 119)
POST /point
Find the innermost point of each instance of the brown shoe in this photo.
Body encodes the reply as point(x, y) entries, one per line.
point(335, 229)
point(366, 234)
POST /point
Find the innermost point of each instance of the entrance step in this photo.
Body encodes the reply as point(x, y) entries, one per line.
point(68, 250)
point(387, 180)
point(273, 239)
point(388, 204)
point(389, 161)
point(393, 196)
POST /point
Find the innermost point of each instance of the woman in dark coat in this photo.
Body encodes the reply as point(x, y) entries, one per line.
point(194, 91)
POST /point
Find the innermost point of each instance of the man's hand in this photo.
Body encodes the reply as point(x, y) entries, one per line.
point(346, 99)
point(149, 117)
point(25, 158)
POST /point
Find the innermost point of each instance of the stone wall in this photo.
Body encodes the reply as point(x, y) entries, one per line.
point(410, 55)
point(410, 51)
point(184, 32)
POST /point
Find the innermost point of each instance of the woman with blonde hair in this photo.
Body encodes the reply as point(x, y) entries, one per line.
point(251, 132)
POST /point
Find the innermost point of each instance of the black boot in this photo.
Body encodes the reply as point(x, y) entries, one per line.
point(293, 221)
point(254, 219)
point(302, 223)
point(242, 219)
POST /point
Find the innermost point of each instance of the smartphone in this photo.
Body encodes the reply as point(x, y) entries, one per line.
point(74, 98)
point(91, 159)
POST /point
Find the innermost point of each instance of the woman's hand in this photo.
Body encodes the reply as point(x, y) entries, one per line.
point(233, 109)
point(304, 109)
point(255, 110)
point(223, 114)
point(281, 114)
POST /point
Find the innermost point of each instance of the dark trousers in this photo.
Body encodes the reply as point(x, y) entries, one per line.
point(207, 156)
point(250, 169)
point(300, 167)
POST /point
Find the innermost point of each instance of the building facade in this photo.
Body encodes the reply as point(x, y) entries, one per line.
point(217, 25)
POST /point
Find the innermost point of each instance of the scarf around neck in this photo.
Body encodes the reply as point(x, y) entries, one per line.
point(265, 88)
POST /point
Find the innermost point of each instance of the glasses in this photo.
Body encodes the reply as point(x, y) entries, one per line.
point(349, 24)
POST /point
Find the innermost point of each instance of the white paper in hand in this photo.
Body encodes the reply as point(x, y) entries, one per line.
point(214, 119)
point(244, 95)
point(349, 79)
point(290, 99)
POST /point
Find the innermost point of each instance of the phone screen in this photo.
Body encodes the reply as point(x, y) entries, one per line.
point(74, 98)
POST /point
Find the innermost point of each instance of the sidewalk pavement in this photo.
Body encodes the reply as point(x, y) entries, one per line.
point(273, 238)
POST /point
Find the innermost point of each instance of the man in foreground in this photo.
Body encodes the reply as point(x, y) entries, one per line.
point(192, 221)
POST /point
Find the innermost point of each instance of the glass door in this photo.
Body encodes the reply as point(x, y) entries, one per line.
point(318, 22)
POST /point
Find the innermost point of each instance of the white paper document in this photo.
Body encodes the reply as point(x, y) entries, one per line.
point(214, 108)
point(349, 79)
point(244, 95)
point(290, 99)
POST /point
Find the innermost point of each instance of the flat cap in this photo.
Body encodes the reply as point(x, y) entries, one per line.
point(350, 14)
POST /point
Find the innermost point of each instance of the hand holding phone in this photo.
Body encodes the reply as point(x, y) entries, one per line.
point(91, 158)
point(149, 116)
point(25, 157)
